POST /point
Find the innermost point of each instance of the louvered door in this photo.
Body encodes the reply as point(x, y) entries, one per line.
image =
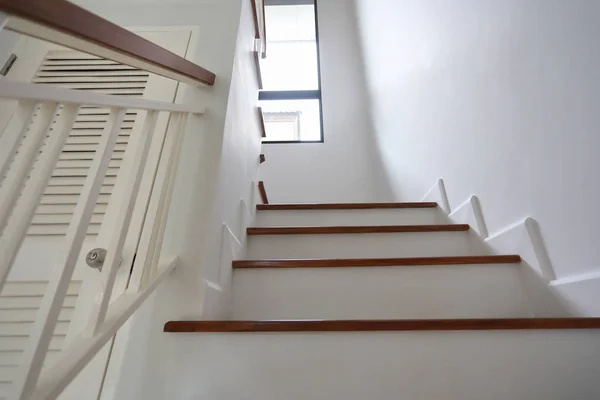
point(19, 302)
point(62, 67)
point(79, 71)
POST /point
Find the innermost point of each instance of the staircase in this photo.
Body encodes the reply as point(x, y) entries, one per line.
point(381, 301)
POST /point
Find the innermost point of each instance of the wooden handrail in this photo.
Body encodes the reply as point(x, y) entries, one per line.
point(261, 120)
point(64, 23)
point(263, 192)
point(260, 25)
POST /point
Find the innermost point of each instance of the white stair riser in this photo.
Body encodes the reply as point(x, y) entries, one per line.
point(414, 292)
point(491, 365)
point(364, 245)
point(408, 216)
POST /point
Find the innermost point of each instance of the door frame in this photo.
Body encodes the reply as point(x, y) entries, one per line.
point(114, 376)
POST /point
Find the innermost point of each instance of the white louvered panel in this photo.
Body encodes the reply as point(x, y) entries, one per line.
point(97, 80)
point(66, 209)
point(97, 123)
point(89, 67)
point(61, 74)
point(75, 155)
point(34, 288)
point(73, 189)
point(77, 181)
point(71, 199)
point(58, 229)
point(93, 116)
point(45, 219)
point(84, 164)
point(24, 328)
point(26, 302)
point(80, 71)
point(28, 315)
point(11, 359)
point(9, 343)
point(89, 148)
point(19, 303)
point(66, 172)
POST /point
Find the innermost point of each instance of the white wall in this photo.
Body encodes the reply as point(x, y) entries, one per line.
point(500, 98)
point(344, 167)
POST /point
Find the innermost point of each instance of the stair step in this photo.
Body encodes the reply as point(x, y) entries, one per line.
point(479, 324)
point(375, 262)
point(408, 291)
point(328, 230)
point(344, 206)
point(347, 215)
point(551, 364)
point(384, 243)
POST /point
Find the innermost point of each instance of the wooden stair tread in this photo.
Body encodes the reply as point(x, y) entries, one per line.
point(304, 230)
point(382, 325)
point(344, 206)
point(375, 262)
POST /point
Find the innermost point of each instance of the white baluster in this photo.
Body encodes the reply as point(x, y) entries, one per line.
point(120, 219)
point(56, 291)
point(165, 199)
point(11, 137)
point(23, 163)
point(23, 212)
point(83, 348)
point(148, 240)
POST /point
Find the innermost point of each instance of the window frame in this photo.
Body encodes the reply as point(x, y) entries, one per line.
point(266, 95)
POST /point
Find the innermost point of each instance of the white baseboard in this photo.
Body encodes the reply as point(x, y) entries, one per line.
point(217, 295)
point(470, 213)
point(524, 238)
point(549, 296)
point(438, 194)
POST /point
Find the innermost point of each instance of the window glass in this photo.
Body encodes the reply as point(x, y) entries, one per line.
point(291, 95)
point(291, 62)
point(291, 120)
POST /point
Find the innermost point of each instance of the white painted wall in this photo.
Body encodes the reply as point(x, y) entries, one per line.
point(500, 98)
point(344, 167)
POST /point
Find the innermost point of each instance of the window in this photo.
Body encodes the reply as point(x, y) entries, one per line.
point(291, 99)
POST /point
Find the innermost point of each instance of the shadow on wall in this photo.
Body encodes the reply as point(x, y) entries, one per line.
point(548, 296)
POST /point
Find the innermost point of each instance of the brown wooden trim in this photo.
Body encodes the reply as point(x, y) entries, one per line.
point(344, 206)
point(375, 262)
point(255, 16)
point(264, 12)
point(261, 119)
point(263, 192)
point(262, 158)
point(382, 325)
point(324, 230)
point(258, 71)
point(63, 16)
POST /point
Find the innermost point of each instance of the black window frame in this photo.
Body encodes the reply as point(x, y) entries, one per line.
point(266, 95)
